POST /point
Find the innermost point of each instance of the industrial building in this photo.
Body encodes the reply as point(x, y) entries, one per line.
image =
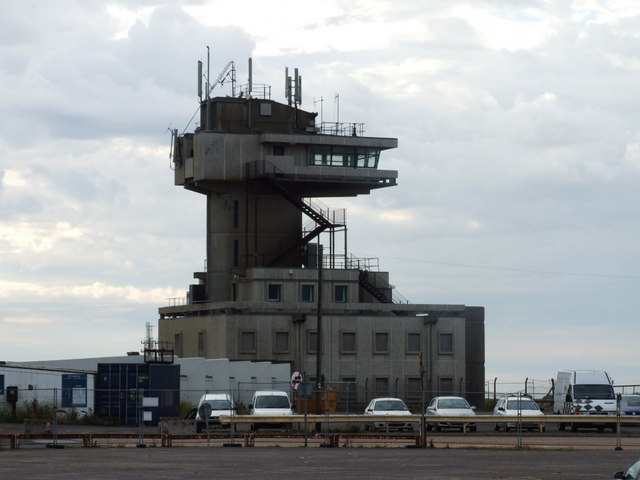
point(114, 387)
point(279, 283)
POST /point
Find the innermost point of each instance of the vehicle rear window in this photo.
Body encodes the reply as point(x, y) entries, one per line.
point(272, 401)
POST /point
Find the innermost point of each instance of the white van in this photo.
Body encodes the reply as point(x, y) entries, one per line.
point(218, 404)
point(270, 403)
point(584, 392)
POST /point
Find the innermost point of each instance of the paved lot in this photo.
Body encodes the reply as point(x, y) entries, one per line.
point(592, 456)
point(309, 463)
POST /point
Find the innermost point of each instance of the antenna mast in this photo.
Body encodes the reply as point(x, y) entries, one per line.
point(321, 101)
point(293, 87)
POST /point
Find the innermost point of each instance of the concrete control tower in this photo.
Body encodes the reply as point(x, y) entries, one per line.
point(262, 166)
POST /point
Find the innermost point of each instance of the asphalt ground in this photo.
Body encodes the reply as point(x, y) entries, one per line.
point(309, 463)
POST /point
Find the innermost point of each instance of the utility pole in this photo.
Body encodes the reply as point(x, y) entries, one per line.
point(319, 335)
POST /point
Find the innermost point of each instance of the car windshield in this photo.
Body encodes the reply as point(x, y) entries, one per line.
point(521, 405)
point(220, 404)
point(389, 405)
point(272, 401)
point(453, 403)
point(593, 391)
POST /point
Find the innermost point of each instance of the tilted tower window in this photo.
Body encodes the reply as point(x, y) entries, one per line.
point(340, 156)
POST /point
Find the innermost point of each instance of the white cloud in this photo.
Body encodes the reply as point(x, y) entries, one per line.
point(519, 157)
point(15, 291)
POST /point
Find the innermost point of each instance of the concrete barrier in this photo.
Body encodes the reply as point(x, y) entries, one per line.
point(37, 426)
point(176, 426)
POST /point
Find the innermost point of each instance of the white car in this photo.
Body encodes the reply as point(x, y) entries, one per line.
point(217, 404)
point(518, 405)
point(446, 407)
point(389, 406)
point(270, 403)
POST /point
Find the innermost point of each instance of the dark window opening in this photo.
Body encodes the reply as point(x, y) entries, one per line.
point(274, 292)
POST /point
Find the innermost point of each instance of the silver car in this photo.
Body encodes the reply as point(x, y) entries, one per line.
point(513, 406)
point(389, 406)
point(446, 407)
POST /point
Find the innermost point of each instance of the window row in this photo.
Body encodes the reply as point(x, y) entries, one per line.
point(339, 156)
point(348, 342)
point(307, 293)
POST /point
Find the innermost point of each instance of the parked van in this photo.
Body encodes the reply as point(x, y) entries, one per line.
point(218, 404)
point(584, 392)
point(270, 403)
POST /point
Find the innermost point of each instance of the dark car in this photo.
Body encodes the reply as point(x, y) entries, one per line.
point(630, 404)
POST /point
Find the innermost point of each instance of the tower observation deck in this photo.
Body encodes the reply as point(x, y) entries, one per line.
point(260, 165)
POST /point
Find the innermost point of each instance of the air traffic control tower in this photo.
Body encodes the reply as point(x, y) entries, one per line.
point(278, 264)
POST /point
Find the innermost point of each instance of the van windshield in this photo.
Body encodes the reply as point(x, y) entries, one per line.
point(272, 401)
point(593, 391)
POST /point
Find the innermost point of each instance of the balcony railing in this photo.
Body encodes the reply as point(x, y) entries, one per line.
point(343, 129)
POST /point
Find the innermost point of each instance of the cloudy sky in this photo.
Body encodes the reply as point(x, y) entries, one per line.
point(519, 162)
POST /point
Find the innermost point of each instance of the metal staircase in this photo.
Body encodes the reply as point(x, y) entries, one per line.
point(311, 209)
point(379, 293)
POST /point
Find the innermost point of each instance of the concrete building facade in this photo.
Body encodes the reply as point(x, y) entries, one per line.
point(278, 264)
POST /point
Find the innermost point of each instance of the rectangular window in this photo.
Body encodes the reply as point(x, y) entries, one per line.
point(446, 386)
point(236, 214)
point(247, 341)
point(414, 342)
point(414, 387)
point(381, 385)
point(177, 344)
point(202, 344)
point(445, 343)
point(281, 342)
point(340, 293)
point(308, 293)
point(312, 341)
point(278, 150)
point(348, 342)
point(381, 342)
point(274, 292)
